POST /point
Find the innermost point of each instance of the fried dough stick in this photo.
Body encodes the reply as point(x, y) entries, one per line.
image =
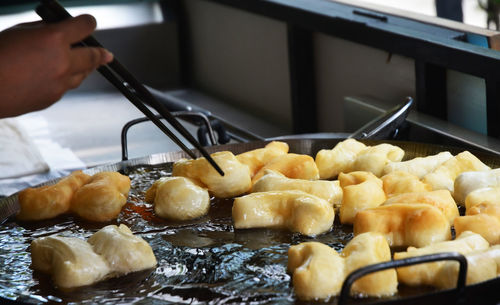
point(52, 200)
point(102, 198)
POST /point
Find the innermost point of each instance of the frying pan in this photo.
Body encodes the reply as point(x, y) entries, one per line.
point(204, 261)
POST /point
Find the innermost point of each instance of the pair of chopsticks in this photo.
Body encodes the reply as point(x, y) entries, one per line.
point(129, 86)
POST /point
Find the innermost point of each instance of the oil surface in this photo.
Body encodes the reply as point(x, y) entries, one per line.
point(204, 261)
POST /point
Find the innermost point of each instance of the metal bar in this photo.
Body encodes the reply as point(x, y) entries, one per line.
point(302, 82)
point(445, 256)
point(128, 125)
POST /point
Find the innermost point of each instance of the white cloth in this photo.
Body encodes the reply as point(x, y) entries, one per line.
point(19, 155)
point(28, 155)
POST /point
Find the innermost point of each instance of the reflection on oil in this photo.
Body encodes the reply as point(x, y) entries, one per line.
point(199, 261)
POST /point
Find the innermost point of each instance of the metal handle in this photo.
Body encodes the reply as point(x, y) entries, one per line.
point(384, 126)
point(447, 256)
point(129, 124)
point(223, 137)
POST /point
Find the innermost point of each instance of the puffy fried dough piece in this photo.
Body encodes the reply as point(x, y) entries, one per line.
point(69, 260)
point(102, 198)
point(367, 249)
point(482, 265)
point(178, 198)
point(468, 182)
point(52, 200)
point(236, 179)
point(374, 158)
point(399, 182)
point(73, 262)
point(123, 251)
point(361, 190)
point(317, 270)
point(431, 273)
point(441, 199)
point(295, 166)
point(294, 210)
point(405, 224)
point(419, 166)
point(483, 219)
point(487, 194)
point(257, 158)
point(331, 162)
point(443, 177)
point(274, 181)
point(487, 226)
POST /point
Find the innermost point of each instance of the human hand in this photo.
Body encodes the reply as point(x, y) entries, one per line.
point(38, 64)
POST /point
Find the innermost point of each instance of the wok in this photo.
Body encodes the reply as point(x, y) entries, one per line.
point(204, 261)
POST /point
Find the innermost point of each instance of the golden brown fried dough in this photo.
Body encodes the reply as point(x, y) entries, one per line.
point(257, 158)
point(420, 166)
point(432, 273)
point(331, 162)
point(123, 251)
point(293, 210)
point(487, 226)
point(292, 166)
point(361, 190)
point(317, 270)
point(374, 158)
point(52, 200)
point(102, 198)
point(483, 219)
point(178, 198)
point(487, 194)
point(69, 260)
point(443, 177)
point(441, 199)
point(481, 266)
point(236, 179)
point(399, 182)
point(73, 262)
point(274, 181)
point(367, 249)
point(405, 224)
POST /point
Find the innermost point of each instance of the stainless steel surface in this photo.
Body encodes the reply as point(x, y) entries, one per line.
point(386, 125)
point(425, 128)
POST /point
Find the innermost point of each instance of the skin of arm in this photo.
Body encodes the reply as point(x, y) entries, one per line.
point(38, 63)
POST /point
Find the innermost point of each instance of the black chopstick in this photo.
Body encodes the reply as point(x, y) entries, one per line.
point(114, 72)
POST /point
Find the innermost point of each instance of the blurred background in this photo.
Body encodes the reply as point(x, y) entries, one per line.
point(127, 13)
point(273, 68)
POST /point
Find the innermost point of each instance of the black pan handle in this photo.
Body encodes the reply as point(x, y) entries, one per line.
point(447, 256)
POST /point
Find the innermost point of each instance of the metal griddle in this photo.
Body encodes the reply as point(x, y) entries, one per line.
point(204, 261)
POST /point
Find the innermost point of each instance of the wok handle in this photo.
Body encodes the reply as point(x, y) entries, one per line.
point(386, 125)
point(197, 115)
point(447, 256)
